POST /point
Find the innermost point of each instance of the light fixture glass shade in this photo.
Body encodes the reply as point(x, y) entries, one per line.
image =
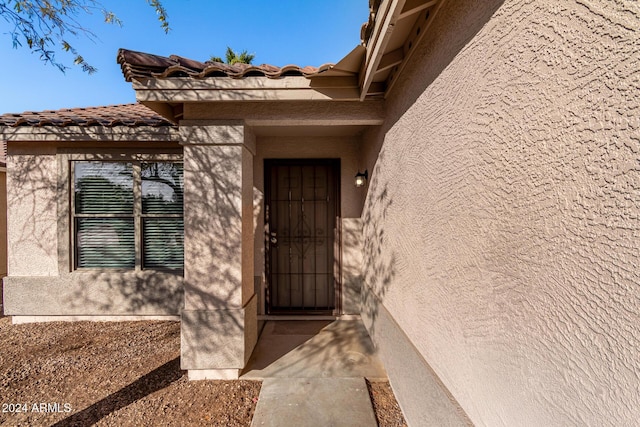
point(361, 178)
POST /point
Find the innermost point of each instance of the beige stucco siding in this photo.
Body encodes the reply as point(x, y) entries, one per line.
point(218, 323)
point(502, 222)
point(32, 206)
point(213, 230)
point(3, 223)
point(41, 281)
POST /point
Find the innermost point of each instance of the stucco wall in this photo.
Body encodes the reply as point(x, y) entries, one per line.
point(3, 223)
point(219, 324)
point(32, 220)
point(40, 281)
point(502, 223)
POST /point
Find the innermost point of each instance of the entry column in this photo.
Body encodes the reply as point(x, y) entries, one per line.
point(219, 319)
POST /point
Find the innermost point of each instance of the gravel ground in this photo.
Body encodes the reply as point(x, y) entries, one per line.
point(120, 374)
point(385, 406)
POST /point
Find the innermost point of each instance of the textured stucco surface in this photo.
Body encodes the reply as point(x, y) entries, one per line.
point(31, 215)
point(40, 280)
point(213, 226)
point(424, 400)
point(3, 224)
point(502, 223)
point(95, 293)
point(218, 339)
point(219, 323)
point(351, 234)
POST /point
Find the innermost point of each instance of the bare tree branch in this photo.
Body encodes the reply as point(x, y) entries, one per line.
point(44, 26)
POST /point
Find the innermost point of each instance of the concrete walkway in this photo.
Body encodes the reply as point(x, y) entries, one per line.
point(314, 373)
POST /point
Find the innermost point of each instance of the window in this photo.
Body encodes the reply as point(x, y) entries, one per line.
point(128, 215)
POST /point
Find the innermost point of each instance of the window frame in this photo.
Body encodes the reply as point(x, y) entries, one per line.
point(68, 162)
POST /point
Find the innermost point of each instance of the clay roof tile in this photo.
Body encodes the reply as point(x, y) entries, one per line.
point(139, 65)
point(130, 115)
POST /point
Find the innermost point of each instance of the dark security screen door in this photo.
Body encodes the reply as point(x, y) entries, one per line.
point(302, 205)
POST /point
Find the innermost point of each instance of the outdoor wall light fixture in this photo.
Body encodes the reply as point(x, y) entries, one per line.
point(361, 178)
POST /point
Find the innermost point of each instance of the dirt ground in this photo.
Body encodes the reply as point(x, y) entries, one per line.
point(119, 374)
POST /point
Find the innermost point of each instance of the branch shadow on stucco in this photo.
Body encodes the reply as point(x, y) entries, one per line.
point(29, 183)
point(378, 265)
point(39, 198)
point(213, 322)
point(464, 20)
point(215, 216)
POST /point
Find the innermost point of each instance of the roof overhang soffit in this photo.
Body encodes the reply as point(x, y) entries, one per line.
point(394, 30)
point(337, 83)
point(368, 72)
point(338, 88)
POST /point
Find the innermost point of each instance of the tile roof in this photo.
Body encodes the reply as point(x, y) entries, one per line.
point(139, 65)
point(130, 115)
point(367, 28)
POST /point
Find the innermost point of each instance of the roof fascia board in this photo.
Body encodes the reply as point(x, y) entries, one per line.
point(199, 95)
point(300, 113)
point(313, 122)
point(247, 83)
point(89, 134)
point(383, 29)
point(247, 89)
point(351, 64)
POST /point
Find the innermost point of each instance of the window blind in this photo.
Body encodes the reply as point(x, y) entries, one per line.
point(103, 188)
point(163, 243)
point(108, 212)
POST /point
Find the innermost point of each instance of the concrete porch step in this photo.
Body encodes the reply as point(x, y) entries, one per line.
point(314, 349)
point(310, 402)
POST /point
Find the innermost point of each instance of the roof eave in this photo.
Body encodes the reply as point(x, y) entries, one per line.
point(393, 34)
point(248, 89)
point(88, 134)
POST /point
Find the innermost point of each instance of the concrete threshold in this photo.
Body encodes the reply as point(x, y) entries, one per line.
point(314, 349)
point(310, 402)
point(314, 373)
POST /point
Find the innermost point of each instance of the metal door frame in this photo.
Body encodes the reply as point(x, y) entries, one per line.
point(334, 167)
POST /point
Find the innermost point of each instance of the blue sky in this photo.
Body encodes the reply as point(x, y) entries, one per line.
point(301, 32)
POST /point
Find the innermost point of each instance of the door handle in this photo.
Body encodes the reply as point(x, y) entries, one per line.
point(274, 238)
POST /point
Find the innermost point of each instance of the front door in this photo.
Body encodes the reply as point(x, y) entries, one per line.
point(302, 203)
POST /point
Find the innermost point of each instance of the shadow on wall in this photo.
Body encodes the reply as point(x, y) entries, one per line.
point(43, 200)
point(219, 253)
point(214, 223)
point(31, 183)
point(463, 21)
point(352, 274)
point(378, 267)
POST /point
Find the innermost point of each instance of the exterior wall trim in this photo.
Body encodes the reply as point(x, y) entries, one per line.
point(64, 158)
point(423, 397)
point(247, 89)
point(89, 134)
